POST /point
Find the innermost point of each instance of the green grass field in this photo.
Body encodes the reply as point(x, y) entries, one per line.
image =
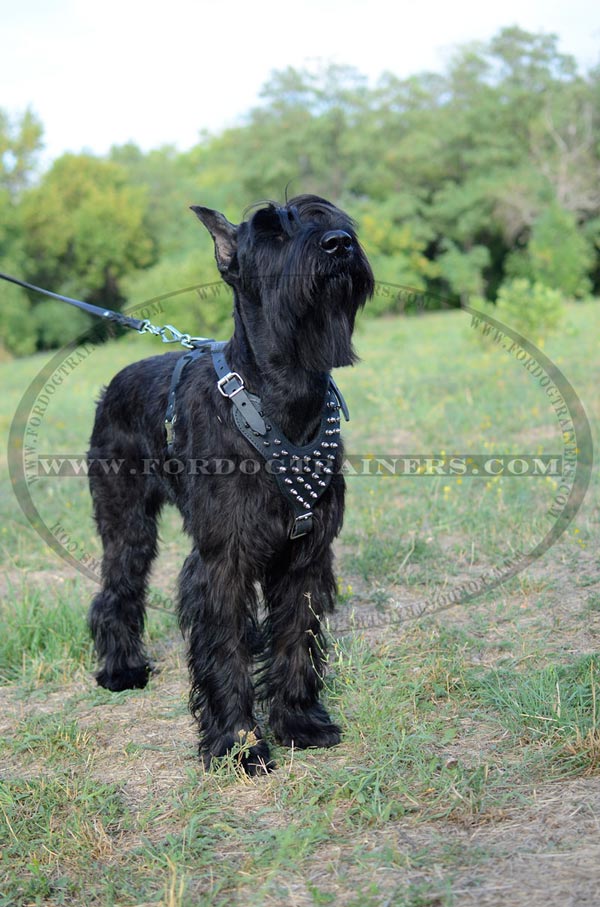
point(469, 772)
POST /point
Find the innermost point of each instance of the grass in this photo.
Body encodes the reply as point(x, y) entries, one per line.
point(467, 733)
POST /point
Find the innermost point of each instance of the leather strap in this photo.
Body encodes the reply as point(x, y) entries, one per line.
point(231, 385)
point(303, 473)
point(171, 415)
point(117, 317)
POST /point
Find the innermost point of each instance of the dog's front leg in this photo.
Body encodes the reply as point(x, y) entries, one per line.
point(216, 613)
point(296, 598)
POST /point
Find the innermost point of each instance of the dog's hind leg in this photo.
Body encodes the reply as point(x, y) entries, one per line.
point(296, 599)
point(217, 607)
point(126, 512)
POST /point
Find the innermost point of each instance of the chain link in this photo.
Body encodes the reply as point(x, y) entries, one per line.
point(170, 334)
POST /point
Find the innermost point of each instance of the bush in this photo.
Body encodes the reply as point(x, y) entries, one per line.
point(17, 330)
point(534, 310)
point(558, 255)
point(206, 307)
point(57, 323)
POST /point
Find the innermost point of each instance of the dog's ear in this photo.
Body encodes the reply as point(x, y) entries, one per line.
point(223, 233)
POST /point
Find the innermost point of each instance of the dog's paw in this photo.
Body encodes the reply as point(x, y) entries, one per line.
point(253, 757)
point(133, 678)
point(258, 760)
point(303, 729)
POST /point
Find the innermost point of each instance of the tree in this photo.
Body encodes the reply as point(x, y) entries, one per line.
point(463, 269)
point(558, 255)
point(85, 228)
point(20, 142)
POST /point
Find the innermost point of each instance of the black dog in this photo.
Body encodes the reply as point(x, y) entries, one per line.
point(251, 459)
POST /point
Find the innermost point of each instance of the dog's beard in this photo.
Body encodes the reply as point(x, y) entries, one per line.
point(318, 337)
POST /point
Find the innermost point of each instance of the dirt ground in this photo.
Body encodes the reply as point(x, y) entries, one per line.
point(545, 851)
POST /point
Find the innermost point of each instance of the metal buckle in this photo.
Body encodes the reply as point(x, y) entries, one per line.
point(170, 431)
point(302, 525)
point(232, 376)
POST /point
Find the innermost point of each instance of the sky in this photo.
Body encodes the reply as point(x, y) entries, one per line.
point(104, 73)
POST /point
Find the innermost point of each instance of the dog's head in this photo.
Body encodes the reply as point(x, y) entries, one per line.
point(299, 275)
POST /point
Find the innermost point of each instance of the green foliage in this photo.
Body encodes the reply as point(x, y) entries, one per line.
point(84, 228)
point(559, 255)
point(464, 269)
point(535, 310)
point(17, 332)
point(196, 300)
point(20, 142)
point(56, 323)
point(458, 180)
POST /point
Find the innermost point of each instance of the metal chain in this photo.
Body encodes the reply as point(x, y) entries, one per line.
point(170, 334)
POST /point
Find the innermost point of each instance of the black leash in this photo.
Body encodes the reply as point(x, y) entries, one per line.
point(117, 317)
point(167, 332)
point(303, 474)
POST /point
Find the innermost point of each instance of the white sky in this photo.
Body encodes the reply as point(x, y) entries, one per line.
point(106, 72)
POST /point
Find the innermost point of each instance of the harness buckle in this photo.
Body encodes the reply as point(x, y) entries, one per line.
point(303, 524)
point(222, 383)
point(169, 430)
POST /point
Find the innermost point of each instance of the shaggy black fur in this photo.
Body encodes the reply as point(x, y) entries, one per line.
point(299, 277)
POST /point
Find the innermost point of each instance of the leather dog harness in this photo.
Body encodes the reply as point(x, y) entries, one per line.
point(303, 473)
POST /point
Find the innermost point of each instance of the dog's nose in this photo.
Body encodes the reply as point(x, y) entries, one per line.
point(336, 242)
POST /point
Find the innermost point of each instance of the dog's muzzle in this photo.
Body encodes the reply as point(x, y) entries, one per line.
point(336, 242)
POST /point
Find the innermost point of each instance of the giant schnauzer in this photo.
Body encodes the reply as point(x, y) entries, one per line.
point(244, 438)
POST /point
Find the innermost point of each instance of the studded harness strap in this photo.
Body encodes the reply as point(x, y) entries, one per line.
point(303, 473)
